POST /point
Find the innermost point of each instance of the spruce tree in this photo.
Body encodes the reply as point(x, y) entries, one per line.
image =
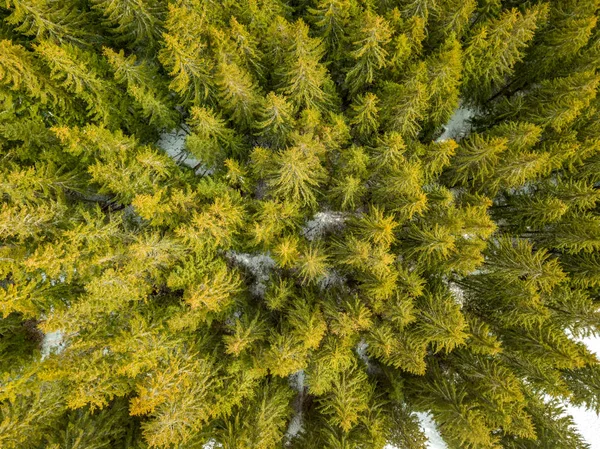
point(369, 51)
point(308, 224)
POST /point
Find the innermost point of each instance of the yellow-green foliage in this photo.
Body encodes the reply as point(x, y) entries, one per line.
point(372, 208)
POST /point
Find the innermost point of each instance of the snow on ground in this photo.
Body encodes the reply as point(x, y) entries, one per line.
point(296, 381)
point(459, 125)
point(259, 265)
point(587, 421)
point(333, 277)
point(295, 426)
point(322, 223)
point(52, 342)
point(431, 432)
point(588, 424)
point(361, 351)
point(173, 143)
point(457, 292)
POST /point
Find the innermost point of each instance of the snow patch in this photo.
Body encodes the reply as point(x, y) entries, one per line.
point(361, 351)
point(173, 143)
point(61, 279)
point(459, 125)
point(457, 292)
point(296, 381)
point(295, 425)
point(526, 189)
point(434, 439)
point(259, 265)
point(212, 444)
point(587, 423)
point(53, 342)
point(322, 223)
point(261, 190)
point(333, 277)
point(593, 344)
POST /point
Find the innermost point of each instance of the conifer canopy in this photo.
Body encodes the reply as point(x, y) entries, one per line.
point(377, 208)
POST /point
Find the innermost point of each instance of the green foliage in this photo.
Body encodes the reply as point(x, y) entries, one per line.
point(303, 79)
point(349, 398)
point(275, 119)
point(143, 85)
point(21, 71)
point(43, 19)
point(266, 224)
point(369, 51)
point(183, 52)
point(132, 21)
point(404, 105)
point(444, 75)
point(295, 174)
point(495, 47)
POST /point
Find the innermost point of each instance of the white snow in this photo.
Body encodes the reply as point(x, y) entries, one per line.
point(259, 265)
point(173, 143)
point(459, 125)
point(322, 223)
point(296, 381)
point(587, 421)
point(295, 425)
point(52, 343)
point(61, 279)
point(431, 432)
point(361, 351)
point(457, 292)
point(333, 277)
point(593, 344)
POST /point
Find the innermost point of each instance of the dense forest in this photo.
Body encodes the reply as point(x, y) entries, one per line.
point(336, 258)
